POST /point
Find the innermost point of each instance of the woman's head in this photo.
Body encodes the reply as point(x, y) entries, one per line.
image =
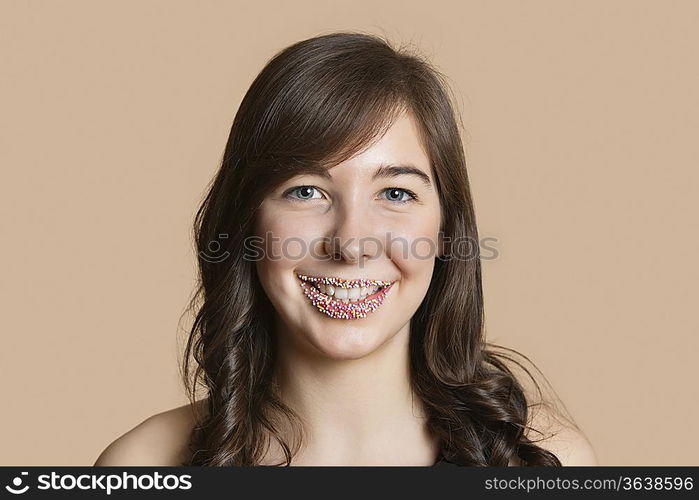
point(349, 253)
point(297, 208)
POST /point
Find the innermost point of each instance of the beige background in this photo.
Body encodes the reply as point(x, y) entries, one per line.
point(582, 120)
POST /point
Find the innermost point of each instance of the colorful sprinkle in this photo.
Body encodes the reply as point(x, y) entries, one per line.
point(343, 283)
point(352, 310)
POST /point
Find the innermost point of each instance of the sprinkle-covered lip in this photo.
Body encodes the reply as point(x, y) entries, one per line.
point(344, 283)
point(344, 308)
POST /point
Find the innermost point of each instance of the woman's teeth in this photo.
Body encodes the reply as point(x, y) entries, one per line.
point(345, 299)
point(347, 294)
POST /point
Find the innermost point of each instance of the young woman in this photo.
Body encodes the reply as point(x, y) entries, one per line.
point(340, 321)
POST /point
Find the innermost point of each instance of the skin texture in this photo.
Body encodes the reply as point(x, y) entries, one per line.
point(350, 209)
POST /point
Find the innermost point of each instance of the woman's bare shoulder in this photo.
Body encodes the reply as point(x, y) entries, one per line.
point(549, 427)
point(160, 440)
point(550, 431)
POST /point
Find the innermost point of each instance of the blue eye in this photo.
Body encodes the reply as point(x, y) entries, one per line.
point(306, 192)
point(394, 191)
point(394, 194)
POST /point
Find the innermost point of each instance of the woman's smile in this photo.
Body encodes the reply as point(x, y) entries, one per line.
point(345, 299)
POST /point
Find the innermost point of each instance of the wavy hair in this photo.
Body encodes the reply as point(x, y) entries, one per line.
point(315, 104)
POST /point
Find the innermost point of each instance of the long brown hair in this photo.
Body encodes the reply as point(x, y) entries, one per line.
point(315, 104)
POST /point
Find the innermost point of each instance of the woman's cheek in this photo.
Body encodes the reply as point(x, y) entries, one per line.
point(287, 240)
point(414, 244)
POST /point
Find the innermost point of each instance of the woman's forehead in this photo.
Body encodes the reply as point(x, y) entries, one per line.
point(400, 146)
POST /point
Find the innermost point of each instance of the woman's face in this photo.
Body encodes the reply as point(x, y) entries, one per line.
point(331, 241)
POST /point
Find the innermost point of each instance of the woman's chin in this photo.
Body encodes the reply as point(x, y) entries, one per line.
point(342, 344)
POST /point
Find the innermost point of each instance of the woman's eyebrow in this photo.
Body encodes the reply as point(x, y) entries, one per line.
point(384, 171)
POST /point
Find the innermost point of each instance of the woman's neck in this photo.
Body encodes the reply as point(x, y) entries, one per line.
point(357, 411)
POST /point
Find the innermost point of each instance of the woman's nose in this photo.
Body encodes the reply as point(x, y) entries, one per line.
point(351, 239)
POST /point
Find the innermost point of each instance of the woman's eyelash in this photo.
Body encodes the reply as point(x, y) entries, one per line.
point(288, 192)
point(413, 196)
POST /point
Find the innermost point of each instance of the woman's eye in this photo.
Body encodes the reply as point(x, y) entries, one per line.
point(301, 193)
point(397, 195)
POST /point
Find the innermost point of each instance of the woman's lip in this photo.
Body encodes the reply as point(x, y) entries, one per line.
point(342, 282)
point(338, 309)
